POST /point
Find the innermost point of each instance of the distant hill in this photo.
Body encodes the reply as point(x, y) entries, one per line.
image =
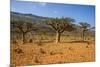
point(31, 17)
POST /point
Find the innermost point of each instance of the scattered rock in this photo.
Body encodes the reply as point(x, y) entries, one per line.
point(71, 48)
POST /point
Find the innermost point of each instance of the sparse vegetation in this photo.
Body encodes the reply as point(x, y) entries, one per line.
point(60, 25)
point(39, 38)
point(85, 27)
point(23, 27)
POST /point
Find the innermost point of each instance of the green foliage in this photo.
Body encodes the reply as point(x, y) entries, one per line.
point(60, 24)
point(85, 27)
point(23, 27)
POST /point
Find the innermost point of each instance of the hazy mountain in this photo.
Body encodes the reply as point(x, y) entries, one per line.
point(33, 18)
point(30, 17)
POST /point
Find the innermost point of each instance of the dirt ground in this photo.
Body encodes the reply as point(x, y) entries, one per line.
point(51, 53)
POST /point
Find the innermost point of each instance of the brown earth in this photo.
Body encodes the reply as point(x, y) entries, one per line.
point(50, 53)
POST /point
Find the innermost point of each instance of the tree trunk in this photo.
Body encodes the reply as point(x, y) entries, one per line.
point(83, 35)
point(24, 40)
point(58, 37)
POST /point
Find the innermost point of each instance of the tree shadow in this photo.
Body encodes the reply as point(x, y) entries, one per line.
point(78, 41)
point(48, 41)
point(43, 42)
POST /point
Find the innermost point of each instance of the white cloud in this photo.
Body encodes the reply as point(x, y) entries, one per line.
point(55, 12)
point(42, 4)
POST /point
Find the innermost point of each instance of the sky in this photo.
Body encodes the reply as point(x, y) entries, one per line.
point(81, 13)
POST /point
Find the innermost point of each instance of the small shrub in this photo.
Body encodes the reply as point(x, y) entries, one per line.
point(87, 46)
point(37, 60)
point(42, 51)
point(39, 43)
point(52, 53)
point(18, 51)
point(15, 42)
point(30, 41)
point(71, 48)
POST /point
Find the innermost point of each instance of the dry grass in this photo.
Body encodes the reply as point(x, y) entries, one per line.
point(50, 53)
